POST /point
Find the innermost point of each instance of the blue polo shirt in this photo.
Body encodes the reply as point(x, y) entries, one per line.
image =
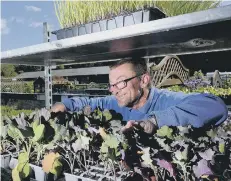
point(169, 108)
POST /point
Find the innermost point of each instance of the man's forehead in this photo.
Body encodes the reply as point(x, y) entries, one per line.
point(125, 69)
point(120, 72)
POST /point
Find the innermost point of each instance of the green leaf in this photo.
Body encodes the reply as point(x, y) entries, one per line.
point(20, 166)
point(26, 133)
point(49, 146)
point(60, 132)
point(15, 174)
point(112, 141)
point(211, 133)
point(182, 164)
point(25, 171)
point(77, 145)
point(182, 155)
point(107, 115)
point(3, 131)
point(35, 124)
point(111, 154)
point(165, 131)
point(222, 147)
point(146, 157)
point(57, 167)
point(104, 148)
point(161, 142)
point(39, 132)
point(85, 140)
point(12, 132)
point(51, 163)
point(23, 157)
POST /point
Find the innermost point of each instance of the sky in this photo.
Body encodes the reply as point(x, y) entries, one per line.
point(22, 22)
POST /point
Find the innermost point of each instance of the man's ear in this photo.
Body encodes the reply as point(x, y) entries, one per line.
point(145, 80)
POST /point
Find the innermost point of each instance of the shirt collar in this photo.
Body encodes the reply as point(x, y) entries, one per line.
point(147, 105)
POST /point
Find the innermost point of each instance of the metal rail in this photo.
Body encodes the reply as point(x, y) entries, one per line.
point(204, 31)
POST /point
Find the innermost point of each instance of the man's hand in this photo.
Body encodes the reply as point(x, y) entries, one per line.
point(149, 126)
point(58, 107)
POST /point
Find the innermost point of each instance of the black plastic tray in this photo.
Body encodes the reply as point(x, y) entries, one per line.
point(108, 24)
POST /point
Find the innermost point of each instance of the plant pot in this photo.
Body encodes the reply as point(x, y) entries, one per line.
point(40, 175)
point(71, 177)
point(85, 177)
point(13, 163)
point(5, 174)
point(94, 174)
point(5, 160)
point(109, 24)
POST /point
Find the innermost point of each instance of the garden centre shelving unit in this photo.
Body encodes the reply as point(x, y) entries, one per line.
point(198, 32)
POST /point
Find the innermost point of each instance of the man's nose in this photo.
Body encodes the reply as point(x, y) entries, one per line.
point(113, 89)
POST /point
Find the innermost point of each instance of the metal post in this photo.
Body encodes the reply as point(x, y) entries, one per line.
point(47, 70)
point(147, 64)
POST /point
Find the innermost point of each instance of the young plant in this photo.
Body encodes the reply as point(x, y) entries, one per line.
point(34, 135)
point(52, 164)
point(22, 169)
point(6, 145)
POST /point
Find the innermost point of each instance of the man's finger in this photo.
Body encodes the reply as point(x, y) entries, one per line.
point(148, 126)
point(129, 125)
point(58, 107)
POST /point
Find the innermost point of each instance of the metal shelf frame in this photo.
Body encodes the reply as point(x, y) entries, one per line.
point(204, 31)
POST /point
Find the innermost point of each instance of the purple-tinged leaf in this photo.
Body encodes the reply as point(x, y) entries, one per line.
point(166, 165)
point(207, 155)
point(202, 169)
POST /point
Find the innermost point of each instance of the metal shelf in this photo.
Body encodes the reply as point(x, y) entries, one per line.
point(204, 31)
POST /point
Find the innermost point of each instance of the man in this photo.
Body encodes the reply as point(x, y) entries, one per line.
point(150, 108)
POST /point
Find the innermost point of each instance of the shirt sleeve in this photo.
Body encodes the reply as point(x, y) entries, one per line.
point(78, 103)
point(196, 110)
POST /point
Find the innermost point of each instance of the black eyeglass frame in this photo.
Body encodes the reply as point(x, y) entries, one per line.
point(125, 82)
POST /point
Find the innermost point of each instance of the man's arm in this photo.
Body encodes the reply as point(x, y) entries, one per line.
point(196, 110)
point(78, 103)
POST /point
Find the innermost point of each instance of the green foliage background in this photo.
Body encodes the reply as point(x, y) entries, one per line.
point(8, 70)
point(10, 111)
point(70, 13)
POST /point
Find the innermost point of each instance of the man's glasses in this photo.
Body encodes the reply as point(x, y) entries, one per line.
point(122, 84)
